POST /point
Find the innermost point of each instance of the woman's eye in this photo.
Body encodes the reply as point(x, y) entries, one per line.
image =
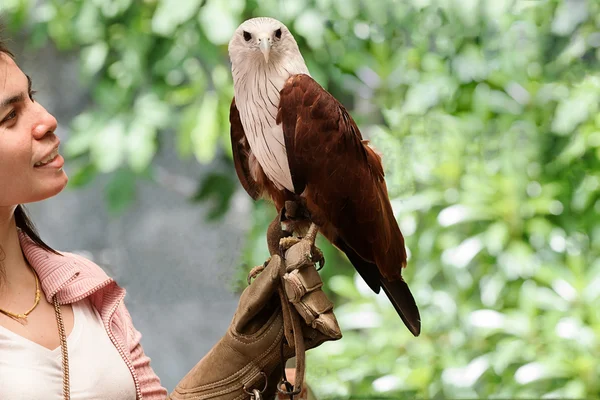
point(10, 116)
point(31, 94)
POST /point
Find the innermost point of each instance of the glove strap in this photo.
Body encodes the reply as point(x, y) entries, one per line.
point(295, 336)
point(300, 354)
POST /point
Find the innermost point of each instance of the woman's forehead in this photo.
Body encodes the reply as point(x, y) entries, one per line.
point(10, 73)
point(6, 61)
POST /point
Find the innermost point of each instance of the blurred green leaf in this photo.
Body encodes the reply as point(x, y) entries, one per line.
point(141, 144)
point(107, 149)
point(83, 176)
point(120, 191)
point(171, 13)
point(205, 133)
point(218, 188)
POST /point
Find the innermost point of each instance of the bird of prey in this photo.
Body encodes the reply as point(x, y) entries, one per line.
point(293, 141)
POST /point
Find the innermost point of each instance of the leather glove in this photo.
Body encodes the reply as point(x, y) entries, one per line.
point(247, 362)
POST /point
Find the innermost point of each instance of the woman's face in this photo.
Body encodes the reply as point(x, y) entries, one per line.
point(30, 167)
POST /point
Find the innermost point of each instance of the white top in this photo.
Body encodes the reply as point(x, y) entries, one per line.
point(30, 371)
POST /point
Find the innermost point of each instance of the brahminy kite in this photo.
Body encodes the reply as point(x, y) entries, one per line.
point(293, 141)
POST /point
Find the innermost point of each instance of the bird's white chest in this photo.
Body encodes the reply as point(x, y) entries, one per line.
point(257, 100)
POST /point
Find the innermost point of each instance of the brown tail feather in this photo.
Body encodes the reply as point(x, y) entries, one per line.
point(404, 303)
point(397, 291)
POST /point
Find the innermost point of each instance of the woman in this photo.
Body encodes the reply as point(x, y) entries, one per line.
point(64, 329)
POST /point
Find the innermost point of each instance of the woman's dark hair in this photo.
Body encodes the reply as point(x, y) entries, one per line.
point(21, 218)
point(26, 225)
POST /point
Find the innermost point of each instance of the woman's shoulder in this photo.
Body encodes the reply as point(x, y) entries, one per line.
point(87, 279)
point(67, 274)
point(55, 262)
point(84, 264)
point(81, 259)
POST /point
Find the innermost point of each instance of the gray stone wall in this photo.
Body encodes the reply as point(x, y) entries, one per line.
point(177, 268)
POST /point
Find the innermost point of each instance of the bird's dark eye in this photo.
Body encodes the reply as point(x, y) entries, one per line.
point(278, 33)
point(247, 36)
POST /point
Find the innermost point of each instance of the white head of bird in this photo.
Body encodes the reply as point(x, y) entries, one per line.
point(265, 45)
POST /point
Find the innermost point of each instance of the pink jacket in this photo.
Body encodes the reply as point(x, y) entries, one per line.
point(72, 278)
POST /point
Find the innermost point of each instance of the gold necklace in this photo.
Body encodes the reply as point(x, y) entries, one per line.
point(22, 318)
point(63, 349)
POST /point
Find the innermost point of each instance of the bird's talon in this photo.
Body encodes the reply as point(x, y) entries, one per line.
point(321, 263)
point(317, 257)
point(254, 272)
point(286, 242)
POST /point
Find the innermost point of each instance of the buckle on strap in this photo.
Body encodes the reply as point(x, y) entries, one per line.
point(290, 390)
point(256, 394)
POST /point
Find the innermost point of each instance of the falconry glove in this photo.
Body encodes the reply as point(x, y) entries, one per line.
point(267, 329)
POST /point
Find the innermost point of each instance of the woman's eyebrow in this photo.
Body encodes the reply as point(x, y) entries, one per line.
point(18, 98)
point(12, 100)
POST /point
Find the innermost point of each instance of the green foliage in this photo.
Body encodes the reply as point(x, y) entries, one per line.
point(220, 187)
point(487, 115)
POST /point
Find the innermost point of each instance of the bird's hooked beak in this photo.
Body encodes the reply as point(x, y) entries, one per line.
point(265, 47)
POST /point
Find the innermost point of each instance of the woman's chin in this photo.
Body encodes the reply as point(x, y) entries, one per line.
point(51, 189)
point(60, 186)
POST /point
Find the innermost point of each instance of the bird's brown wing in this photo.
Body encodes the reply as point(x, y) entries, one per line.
point(342, 179)
point(339, 173)
point(241, 153)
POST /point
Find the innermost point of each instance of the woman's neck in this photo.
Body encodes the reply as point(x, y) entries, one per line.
point(12, 262)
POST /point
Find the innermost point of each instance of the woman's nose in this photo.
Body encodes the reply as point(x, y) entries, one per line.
point(45, 123)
